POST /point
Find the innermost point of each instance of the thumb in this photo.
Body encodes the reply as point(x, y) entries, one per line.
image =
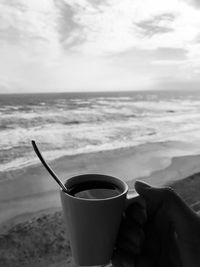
point(175, 210)
point(153, 196)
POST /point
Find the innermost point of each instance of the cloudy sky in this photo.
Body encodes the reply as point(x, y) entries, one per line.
point(90, 45)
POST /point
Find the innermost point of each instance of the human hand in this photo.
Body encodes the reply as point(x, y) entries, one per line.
point(131, 234)
point(172, 232)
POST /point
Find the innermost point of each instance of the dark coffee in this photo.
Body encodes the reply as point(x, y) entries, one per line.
point(95, 190)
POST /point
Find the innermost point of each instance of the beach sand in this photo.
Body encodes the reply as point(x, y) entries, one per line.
point(30, 202)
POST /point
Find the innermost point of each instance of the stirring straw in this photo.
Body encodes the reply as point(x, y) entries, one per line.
point(47, 166)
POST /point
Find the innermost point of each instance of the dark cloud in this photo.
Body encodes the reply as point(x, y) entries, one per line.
point(67, 25)
point(153, 26)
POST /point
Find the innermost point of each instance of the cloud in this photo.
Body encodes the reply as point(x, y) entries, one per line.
point(66, 22)
point(10, 34)
point(28, 20)
point(195, 3)
point(159, 24)
point(70, 31)
point(98, 4)
point(50, 44)
point(169, 83)
point(166, 53)
point(138, 56)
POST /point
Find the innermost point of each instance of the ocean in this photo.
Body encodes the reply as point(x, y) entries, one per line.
point(73, 123)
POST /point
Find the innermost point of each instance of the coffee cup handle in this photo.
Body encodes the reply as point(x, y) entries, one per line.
point(133, 197)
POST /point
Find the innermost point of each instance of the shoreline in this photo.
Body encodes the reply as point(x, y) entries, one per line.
point(180, 147)
point(33, 190)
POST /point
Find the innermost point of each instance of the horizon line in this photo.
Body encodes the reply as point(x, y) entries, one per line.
point(96, 92)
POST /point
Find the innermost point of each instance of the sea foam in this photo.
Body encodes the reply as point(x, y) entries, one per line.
point(64, 124)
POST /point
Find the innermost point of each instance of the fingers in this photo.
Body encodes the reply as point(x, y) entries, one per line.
point(131, 235)
point(173, 207)
point(127, 247)
point(130, 238)
point(150, 249)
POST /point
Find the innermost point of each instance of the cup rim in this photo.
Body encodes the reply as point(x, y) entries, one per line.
point(118, 180)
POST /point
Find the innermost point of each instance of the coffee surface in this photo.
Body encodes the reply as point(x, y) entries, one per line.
point(95, 190)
